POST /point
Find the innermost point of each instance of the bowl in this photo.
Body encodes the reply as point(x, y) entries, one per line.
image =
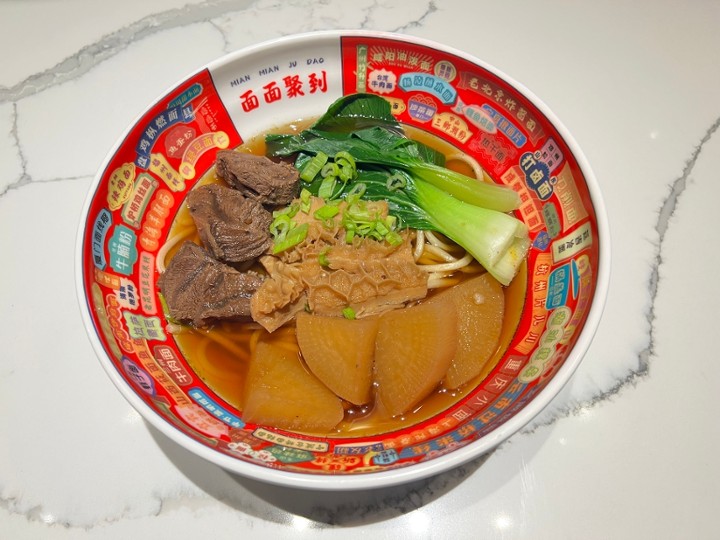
point(454, 96)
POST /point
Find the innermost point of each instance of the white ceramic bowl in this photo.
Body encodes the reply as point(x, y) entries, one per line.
point(453, 95)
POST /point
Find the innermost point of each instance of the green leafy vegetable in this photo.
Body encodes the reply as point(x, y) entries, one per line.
point(355, 112)
point(422, 193)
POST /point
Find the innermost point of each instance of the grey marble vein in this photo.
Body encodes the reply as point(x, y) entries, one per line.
point(24, 178)
point(665, 214)
point(431, 8)
point(667, 209)
point(107, 47)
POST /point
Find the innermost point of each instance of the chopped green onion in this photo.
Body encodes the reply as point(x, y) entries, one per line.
point(348, 313)
point(330, 169)
point(345, 157)
point(358, 211)
point(342, 170)
point(348, 169)
point(346, 173)
point(312, 167)
point(323, 258)
point(381, 228)
point(305, 200)
point(393, 238)
point(327, 187)
point(355, 193)
point(289, 211)
point(280, 226)
point(292, 238)
point(359, 220)
point(326, 213)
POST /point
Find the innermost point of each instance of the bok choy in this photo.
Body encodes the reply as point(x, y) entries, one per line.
point(421, 193)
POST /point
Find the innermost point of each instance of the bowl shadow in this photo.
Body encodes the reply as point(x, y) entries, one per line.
point(281, 504)
point(352, 508)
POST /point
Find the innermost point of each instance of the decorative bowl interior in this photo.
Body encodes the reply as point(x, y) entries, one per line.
point(454, 96)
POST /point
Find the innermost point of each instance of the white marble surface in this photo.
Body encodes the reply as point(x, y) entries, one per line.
point(628, 450)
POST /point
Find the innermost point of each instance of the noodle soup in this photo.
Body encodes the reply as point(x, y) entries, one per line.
point(221, 353)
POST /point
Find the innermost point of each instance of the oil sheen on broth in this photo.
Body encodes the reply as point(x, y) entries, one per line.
point(220, 355)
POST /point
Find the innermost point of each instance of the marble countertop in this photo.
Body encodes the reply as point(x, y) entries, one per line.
point(627, 450)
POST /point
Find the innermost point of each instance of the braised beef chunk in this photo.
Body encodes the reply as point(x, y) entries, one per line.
point(232, 227)
point(198, 289)
point(258, 177)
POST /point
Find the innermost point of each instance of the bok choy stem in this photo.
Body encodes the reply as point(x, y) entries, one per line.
point(470, 190)
point(498, 241)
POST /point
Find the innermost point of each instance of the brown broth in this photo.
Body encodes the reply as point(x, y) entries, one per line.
point(223, 367)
